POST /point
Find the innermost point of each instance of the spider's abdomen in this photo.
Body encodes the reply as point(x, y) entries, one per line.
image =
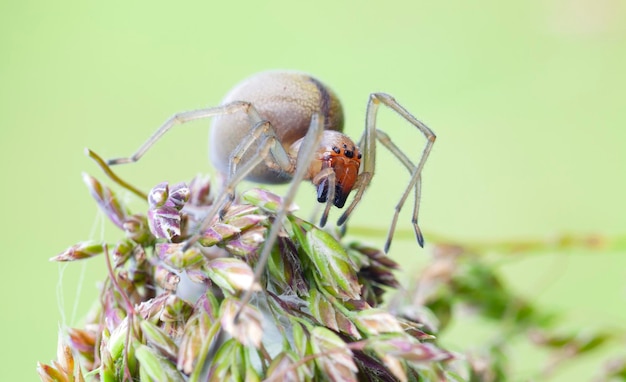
point(287, 100)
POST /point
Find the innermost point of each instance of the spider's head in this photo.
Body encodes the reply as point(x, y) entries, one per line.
point(340, 154)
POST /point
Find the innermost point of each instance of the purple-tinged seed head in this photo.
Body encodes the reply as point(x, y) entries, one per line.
point(158, 195)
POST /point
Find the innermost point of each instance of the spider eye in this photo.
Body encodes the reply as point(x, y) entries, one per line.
point(359, 156)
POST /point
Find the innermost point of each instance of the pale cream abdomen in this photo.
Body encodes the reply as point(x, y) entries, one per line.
point(287, 100)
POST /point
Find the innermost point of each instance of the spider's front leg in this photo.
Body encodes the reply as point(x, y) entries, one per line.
point(304, 157)
point(368, 147)
point(184, 117)
point(270, 152)
point(269, 147)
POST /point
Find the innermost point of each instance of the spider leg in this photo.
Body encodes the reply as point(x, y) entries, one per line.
point(368, 147)
point(187, 116)
point(305, 155)
point(265, 149)
point(386, 141)
point(224, 197)
point(262, 131)
point(268, 147)
point(416, 210)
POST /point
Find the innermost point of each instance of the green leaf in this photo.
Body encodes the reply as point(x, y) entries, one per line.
point(376, 321)
point(227, 363)
point(106, 199)
point(173, 255)
point(80, 251)
point(334, 357)
point(283, 368)
point(199, 355)
point(156, 366)
point(231, 275)
point(159, 339)
point(324, 312)
point(335, 272)
point(242, 323)
point(265, 200)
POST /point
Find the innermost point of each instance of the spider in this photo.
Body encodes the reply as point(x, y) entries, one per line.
point(281, 127)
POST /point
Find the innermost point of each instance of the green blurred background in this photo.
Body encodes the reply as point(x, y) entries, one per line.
point(527, 100)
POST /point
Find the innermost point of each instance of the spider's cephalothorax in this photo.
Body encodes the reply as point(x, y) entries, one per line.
point(340, 154)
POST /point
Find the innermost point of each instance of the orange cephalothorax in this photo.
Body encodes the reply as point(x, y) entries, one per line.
point(345, 161)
